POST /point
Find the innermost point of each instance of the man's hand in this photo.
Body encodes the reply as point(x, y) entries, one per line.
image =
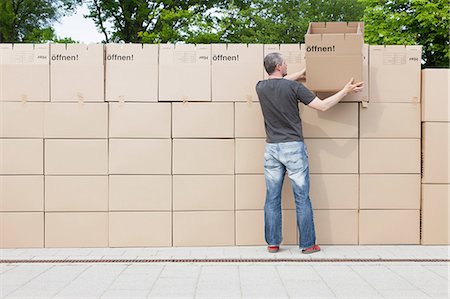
point(353, 88)
point(297, 76)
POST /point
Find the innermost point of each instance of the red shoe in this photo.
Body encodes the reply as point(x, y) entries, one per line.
point(273, 249)
point(311, 249)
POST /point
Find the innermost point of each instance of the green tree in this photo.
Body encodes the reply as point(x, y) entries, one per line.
point(31, 20)
point(410, 22)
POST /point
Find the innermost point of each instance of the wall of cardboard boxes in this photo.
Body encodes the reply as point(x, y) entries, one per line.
point(161, 145)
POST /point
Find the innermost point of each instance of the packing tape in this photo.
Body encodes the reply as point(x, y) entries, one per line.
point(185, 99)
point(364, 103)
point(121, 99)
point(80, 97)
point(23, 98)
point(248, 98)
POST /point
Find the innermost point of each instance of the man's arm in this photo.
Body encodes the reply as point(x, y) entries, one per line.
point(298, 76)
point(327, 103)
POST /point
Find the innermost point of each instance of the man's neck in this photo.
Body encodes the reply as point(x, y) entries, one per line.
point(275, 76)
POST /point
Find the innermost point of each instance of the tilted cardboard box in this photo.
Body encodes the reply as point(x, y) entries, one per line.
point(235, 70)
point(435, 95)
point(184, 72)
point(131, 72)
point(77, 73)
point(24, 72)
point(334, 54)
point(436, 152)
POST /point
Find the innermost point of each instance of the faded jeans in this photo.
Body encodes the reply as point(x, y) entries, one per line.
point(293, 158)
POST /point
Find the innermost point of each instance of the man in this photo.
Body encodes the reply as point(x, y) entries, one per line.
point(285, 149)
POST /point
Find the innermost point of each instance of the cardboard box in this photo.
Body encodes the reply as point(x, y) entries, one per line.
point(22, 193)
point(226, 60)
point(139, 229)
point(390, 120)
point(334, 54)
point(22, 120)
point(212, 228)
point(250, 228)
point(203, 156)
point(22, 230)
point(24, 72)
point(390, 191)
point(184, 72)
point(395, 74)
point(21, 156)
point(435, 152)
point(334, 191)
point(140, 156)
point(76, 120)
point(389, 227)
point(250, 156)
point(293, 54)
point(131, 72)
point(341, 121)
point(248, 121)
point(332, 155)
point(76, 193)
point(251, 192)
point(140, 192)
point(203, 192)
point(202, 120)
point(76, 157)
point(336, 227)
point(73, 229)
point(77, 73)
point(435, 214)
point(435, 95)
point(139, 120)
point(389, 156)
point(363, 95)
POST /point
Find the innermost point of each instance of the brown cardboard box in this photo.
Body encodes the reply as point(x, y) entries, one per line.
point(140, 192)
point(250, 156)
point(202, 120)
point(435, 95)
point(435, 214)
point(211, 228)
point(203, 156)
point(395, 73)
point(22, 230)
point(250, 228)
point(203, 192)
point(24, 72)
point(389, 156)
point(248, 121)
point(336, 227)
point(184, 72)
point(77, 73)
point(251, 192)
point(339, 122)
point(334, 191)
point(332, 155)
point(139, 120)
point(390, 120)
point(73, 229)
point(21, 156)
point(22, 120)
point(435, 152)
point(235, 70)
point(76, 157)
point(76, 120)
point(334, 54)
point(22, 193)
point(363, 95)
point(131, 72)
point(389, 227)
point(390, 191)
point(139, 229)
point(139, 156)
point(293, 54)
point(76, 193)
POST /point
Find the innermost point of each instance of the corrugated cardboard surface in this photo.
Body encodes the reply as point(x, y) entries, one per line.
point(21, 193)
point(248, 121)
point(435, 214)
point(334, 191)
point(435, 95)
point(435, 150)
point(21, 230)
point(21, 156)
point(337, 227)
point(250, 156)
point(22, 120)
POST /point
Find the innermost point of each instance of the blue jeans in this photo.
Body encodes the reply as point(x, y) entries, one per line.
point(293, 157)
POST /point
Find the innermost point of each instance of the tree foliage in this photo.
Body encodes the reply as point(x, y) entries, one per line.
point(410, 22)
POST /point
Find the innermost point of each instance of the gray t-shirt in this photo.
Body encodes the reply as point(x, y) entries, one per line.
point(279, 102)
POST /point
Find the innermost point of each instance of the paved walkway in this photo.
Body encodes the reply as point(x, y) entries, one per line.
point(367, 272)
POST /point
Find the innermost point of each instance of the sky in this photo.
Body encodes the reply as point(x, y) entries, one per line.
point(78, 28)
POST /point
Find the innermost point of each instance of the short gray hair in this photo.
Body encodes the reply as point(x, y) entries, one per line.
point(271, 61)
